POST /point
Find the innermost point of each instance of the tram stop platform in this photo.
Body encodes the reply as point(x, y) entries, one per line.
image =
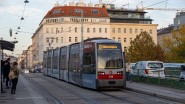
point(176, 95)
point(26, 93)
point(30, 94)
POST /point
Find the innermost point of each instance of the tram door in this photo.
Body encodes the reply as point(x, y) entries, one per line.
point(74, 64)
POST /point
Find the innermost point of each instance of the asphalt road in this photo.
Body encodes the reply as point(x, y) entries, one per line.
point(55, 91)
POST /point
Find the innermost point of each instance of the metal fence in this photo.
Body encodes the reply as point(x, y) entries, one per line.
point(172, 72)
point(171, 79)
point(167, 82)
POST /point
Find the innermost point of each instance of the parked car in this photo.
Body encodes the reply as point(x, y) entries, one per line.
point(26, 71)
point(149, 68)
point(182, 74)
point(37, 71)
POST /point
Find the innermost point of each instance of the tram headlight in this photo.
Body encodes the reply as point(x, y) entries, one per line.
point(101, 73)
point(120, 73)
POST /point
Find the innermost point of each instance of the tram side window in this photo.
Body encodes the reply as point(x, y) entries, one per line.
point(44, 61)
point(63, 62)
point(55, 62)
point(74, 63)
point(87, 59)
point(49, 62)
point(89, 63)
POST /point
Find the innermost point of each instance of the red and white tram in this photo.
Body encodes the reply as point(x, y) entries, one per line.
point(97, 63)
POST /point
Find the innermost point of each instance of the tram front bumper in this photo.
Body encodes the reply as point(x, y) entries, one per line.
point(111, 83)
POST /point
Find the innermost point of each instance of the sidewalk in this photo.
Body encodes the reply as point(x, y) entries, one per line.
point(25, 94)
point(158, 91)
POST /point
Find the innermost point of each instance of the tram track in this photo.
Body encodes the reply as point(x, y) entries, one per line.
point(117, 95)
point(55, 100)
point(94, 102)
point(88, 100)
point(122, 99)
point(149, 96)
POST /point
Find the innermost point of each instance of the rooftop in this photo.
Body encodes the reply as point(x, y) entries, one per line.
point(165, 30)
point(76, 11)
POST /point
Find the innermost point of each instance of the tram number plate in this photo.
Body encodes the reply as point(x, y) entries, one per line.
point(110, 76)
point(112, 82)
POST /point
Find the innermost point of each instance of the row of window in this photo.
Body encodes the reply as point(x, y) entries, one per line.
point(88, 30)
point(54, 20)
point(119, 39)
point(119, 30)
point(51, 40)
point(78, 11)
point(76, 30)
point(87, 20)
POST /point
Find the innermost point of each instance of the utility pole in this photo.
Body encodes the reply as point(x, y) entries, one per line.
point(81, 48)
point(82, 26)
point(1, 69)
point(26, 60)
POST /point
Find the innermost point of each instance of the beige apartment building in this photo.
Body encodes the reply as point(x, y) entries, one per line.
point(126, 24)
point(125, 32)
point(62, 26)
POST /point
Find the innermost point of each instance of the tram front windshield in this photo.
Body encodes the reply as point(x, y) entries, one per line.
point(110, 59)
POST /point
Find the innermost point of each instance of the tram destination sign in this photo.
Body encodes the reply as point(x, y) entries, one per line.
point(109, 46)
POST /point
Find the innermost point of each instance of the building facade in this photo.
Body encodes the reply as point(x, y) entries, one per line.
point(179, 20)
point(64, 25)
point(126, 24)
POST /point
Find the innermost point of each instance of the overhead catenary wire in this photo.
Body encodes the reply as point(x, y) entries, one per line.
point(39, 7)
point(64, 2)
point(22, 15)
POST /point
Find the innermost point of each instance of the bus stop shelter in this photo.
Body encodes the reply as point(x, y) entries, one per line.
point(5, 45)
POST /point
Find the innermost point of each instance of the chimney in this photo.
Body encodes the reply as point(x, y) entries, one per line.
point(57, 4)
point(90, 4)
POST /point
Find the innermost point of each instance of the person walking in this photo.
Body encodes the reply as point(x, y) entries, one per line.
point(128, 72)
point(7, 71)
point(2, 71)
point(15, 79)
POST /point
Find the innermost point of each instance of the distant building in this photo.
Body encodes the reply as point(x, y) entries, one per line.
point(126, 24)
point(62, 26)
point(164, 33)
point(179, 20)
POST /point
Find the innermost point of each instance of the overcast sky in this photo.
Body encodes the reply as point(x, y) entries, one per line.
point(12, 10)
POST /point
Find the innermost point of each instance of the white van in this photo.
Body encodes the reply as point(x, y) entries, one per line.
point(149, 68)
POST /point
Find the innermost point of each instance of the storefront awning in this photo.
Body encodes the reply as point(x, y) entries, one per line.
point(6, 45)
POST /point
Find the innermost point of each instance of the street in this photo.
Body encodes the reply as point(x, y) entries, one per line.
point(35, 88)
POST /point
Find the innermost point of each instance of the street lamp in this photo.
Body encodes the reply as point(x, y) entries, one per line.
point(26, 1)
point(22, 18)
point(15, 41)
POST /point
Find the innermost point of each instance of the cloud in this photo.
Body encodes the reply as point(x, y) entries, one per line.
point(2, 3)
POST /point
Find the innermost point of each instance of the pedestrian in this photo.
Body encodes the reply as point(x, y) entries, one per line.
point(128, 72)
point(15, 79)
point(2, 71)
point(7, 71)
